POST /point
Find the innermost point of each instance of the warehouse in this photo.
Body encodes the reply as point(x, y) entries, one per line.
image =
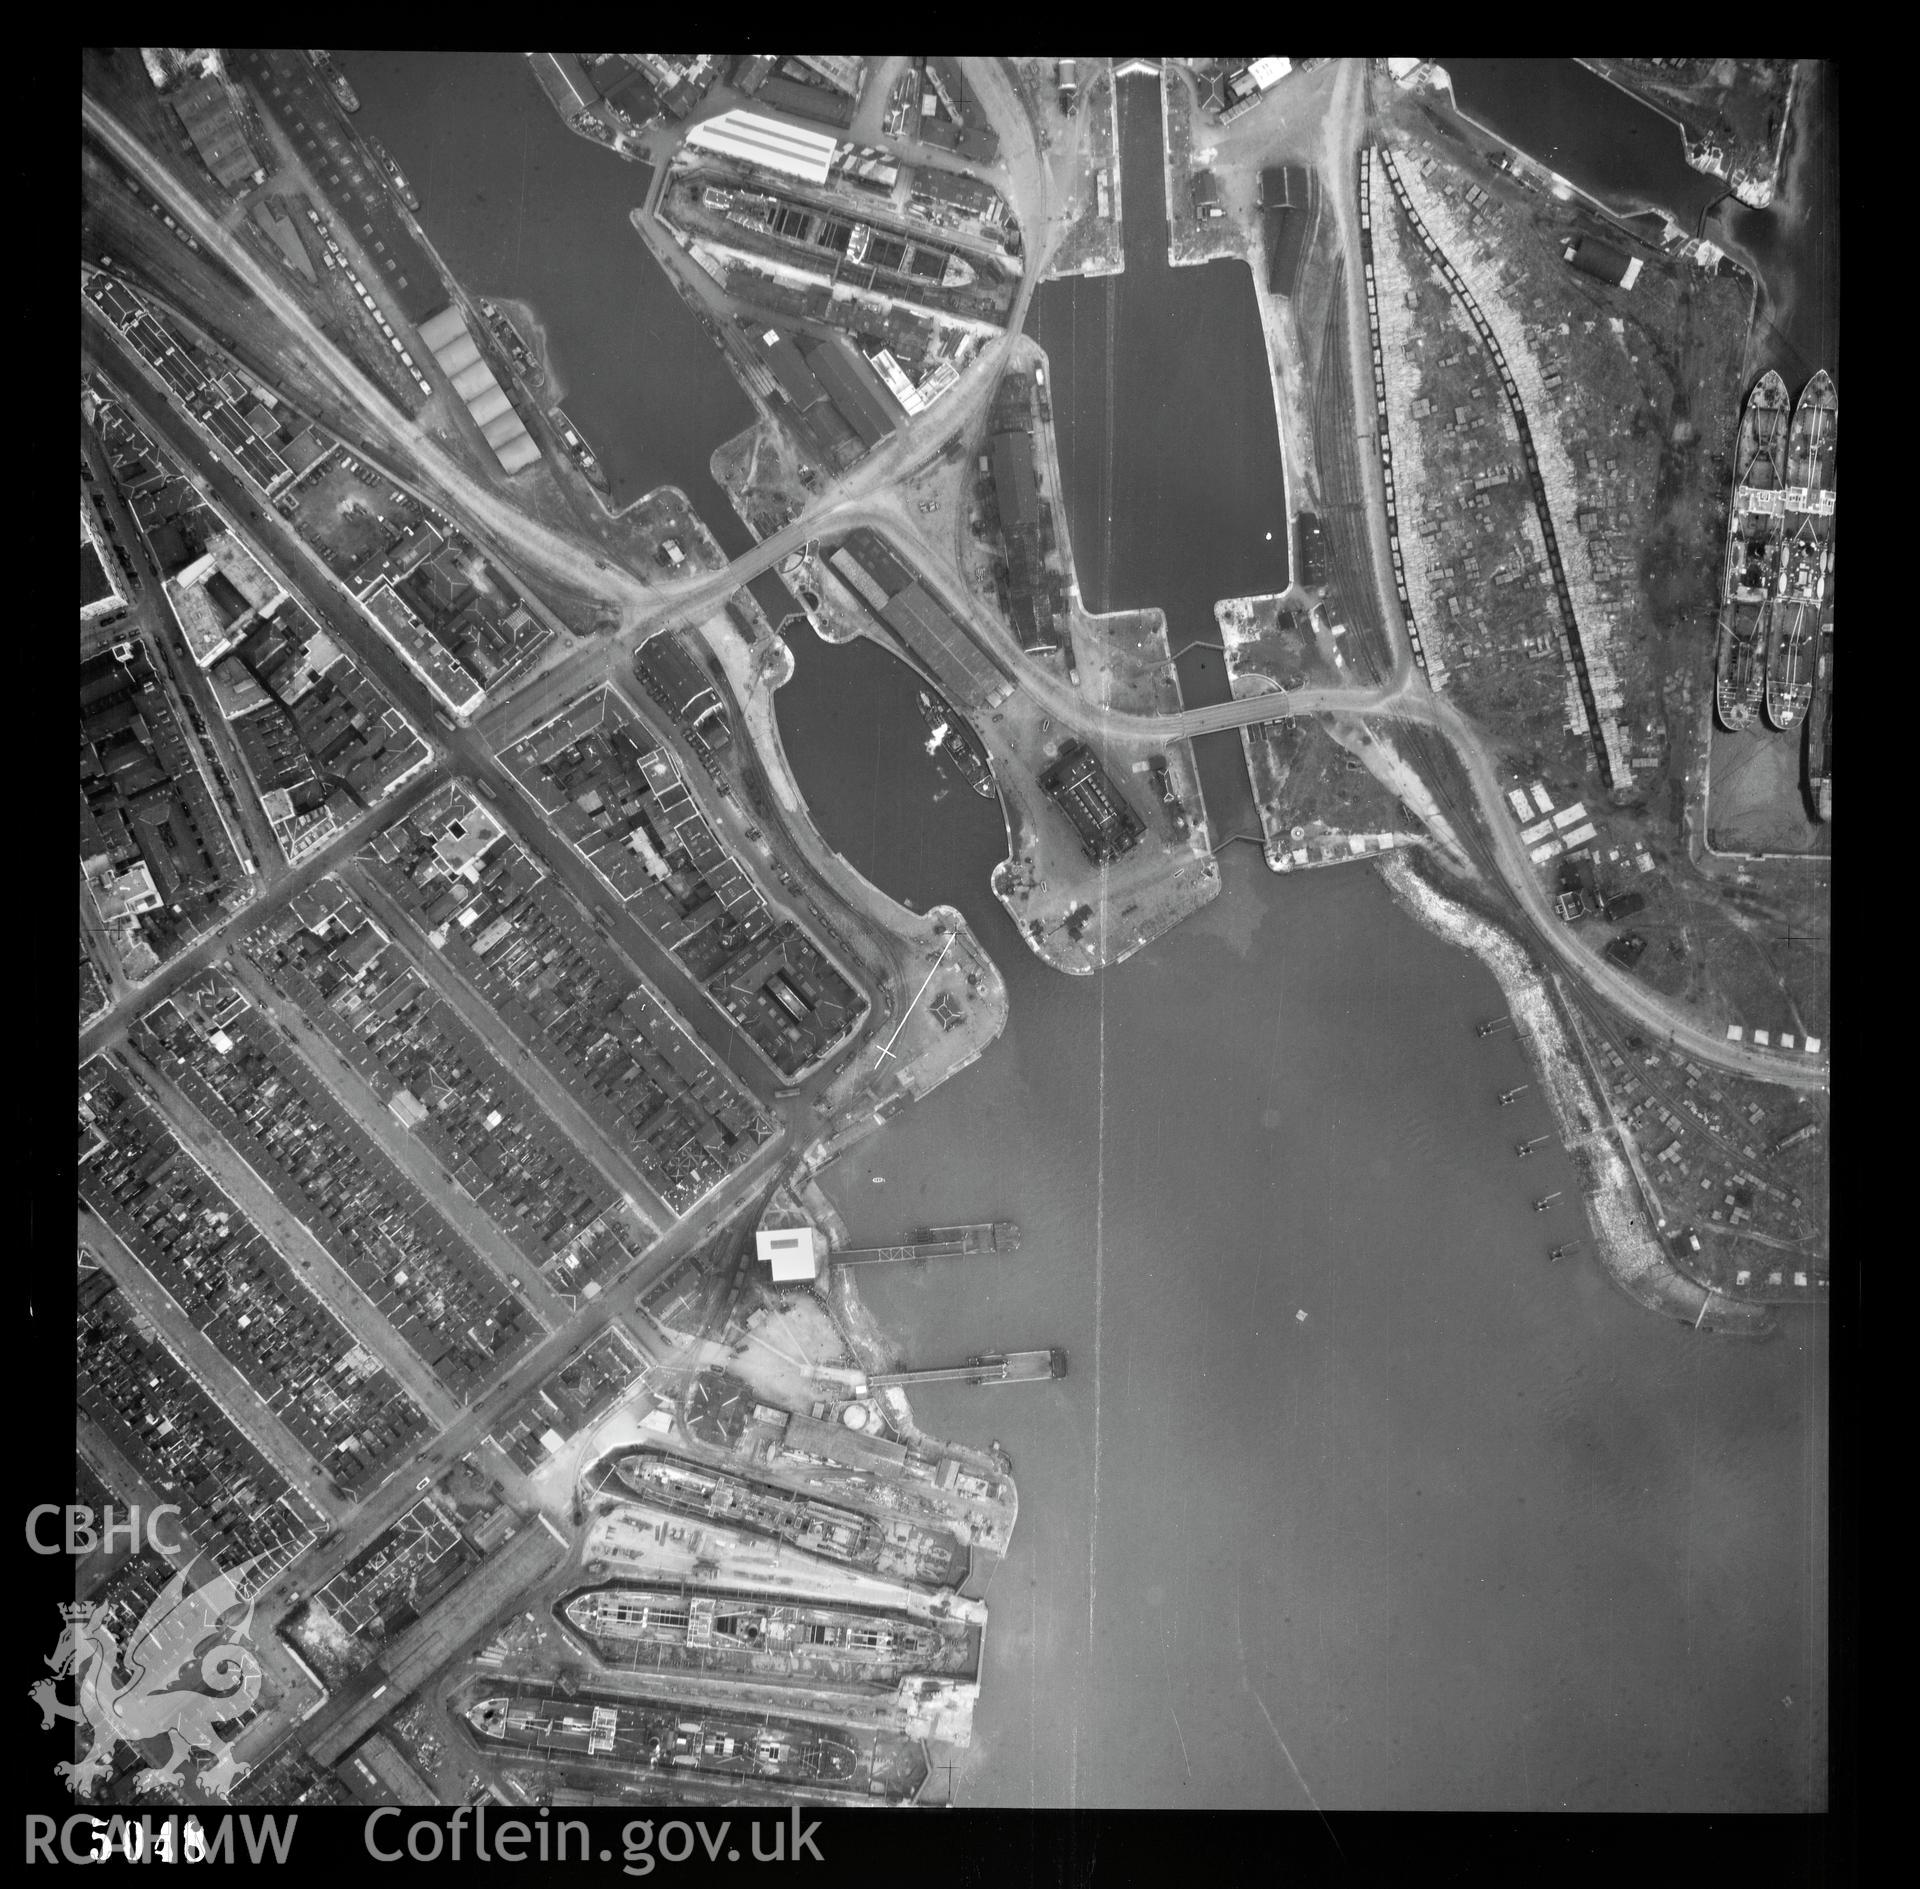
point(1080, 787)
point(855, 398)
point(458, 356)
point(563, 80)
point(766, 142)
point(1602, 262)
point(961, 668)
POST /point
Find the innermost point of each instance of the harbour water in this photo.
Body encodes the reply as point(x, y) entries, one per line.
point(518, 205)
point(1599, 138)
point(1168, 443)
point(1476, 1532)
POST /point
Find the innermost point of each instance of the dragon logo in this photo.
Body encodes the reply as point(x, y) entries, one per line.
point(146, 1691)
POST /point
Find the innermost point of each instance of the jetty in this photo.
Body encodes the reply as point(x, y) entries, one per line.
point(1499, 1023)
point(993, 1367)
point(990, 1236)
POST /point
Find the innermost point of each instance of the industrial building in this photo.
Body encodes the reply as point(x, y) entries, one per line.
point(565, 82)
point(806, 101)
point(1082, 789)
point(1025, 520)
point(1286, 204)
point(459, 357)
point(206, 109)
point(792, 1253)
point(1602, 262)
point(750, 138)
point(672, 677)
point(837, 410)
point(965, 674)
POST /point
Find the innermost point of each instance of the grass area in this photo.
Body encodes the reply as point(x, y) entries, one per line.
point(1308, 787)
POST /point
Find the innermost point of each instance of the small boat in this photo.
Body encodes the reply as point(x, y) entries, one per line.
point(948, 731)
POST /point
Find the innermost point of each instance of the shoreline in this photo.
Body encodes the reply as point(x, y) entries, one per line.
point(1616, 1213)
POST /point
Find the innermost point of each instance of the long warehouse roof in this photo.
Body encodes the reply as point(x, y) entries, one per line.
point(767, 142)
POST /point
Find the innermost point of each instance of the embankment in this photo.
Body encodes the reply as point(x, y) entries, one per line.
point(1618, 1216)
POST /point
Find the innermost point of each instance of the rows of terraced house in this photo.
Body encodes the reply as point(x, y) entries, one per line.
point(618, 798)
point(166, 1428)
point(232, 1066)
point(510, 931)
point(436, 1077)
point(231, 1284)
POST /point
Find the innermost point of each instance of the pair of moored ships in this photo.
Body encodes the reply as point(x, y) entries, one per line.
point(1779, 554)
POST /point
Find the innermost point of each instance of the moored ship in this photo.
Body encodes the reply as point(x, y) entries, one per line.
point(947, 730)
point(1740, 670)
point(1802, 584)
point(1753, 552)
point(393, 171)
point(1790, 645)
point(1820, 730)
point(1812, 447)
point(336, 80)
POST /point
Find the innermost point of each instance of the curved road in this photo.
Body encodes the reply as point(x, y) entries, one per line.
point(859, 497)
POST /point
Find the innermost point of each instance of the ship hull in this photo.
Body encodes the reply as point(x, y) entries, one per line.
point(1790, 663)
point(959, 743)
point(1812, 443)
point(1738, 665)
point(1754, 543)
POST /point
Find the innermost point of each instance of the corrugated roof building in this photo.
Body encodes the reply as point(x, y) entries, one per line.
point(458, 357)
point(766, 142)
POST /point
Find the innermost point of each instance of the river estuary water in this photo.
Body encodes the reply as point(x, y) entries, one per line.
point(1477, 1532)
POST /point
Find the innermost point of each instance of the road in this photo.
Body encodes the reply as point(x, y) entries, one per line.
point(855, 498)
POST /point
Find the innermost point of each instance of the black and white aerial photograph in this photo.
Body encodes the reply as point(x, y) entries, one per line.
point(955, 937)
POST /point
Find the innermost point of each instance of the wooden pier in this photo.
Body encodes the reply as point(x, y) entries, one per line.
point(994, 1236)
point(994, 1367)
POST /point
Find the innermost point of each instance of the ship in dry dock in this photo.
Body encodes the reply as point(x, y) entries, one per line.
point(640, 1734)
point(741, 1630)
point(1808, 502)
point(1754, 541)
point(896, 1548)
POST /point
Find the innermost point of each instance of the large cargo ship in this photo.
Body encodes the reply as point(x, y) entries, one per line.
point(642, 1734)
point(1753, 551)
point(1812, 447)
point(1808, 501)
point(949, 731)
point(721, 1627)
